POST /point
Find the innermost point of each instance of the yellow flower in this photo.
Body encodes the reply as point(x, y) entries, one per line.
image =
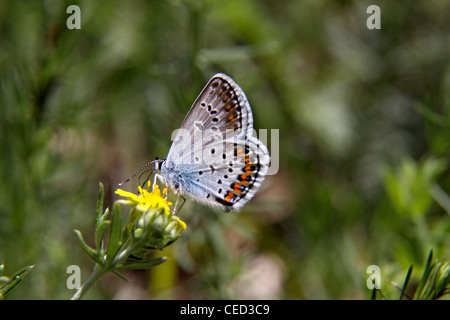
point(153, 200)
point(146, 200)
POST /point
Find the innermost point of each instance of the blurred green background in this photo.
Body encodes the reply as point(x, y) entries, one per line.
point(364, 140)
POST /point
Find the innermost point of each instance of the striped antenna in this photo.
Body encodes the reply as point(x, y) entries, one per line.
point(140, 169)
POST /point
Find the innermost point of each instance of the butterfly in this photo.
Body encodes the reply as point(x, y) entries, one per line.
point(214, 157)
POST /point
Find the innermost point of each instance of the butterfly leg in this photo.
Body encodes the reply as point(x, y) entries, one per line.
point(176, 203)
point(159, 177)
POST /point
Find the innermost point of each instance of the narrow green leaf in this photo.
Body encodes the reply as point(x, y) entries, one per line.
point(405, 284)
point(443, 283)
point(428, 292)
point(99, 233)
point(119, 275)
point(15, 279)
point(103, 217)
point(89, 251)
point(99, 210)
point(425, 275)
point(373, 296)
point(22, 272)
point(114, 233)
point(132, 265)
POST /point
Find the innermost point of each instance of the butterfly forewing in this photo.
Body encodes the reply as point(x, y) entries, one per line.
point(221, 110)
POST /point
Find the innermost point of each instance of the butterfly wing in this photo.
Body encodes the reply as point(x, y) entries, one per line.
point(214, 158)
point(220, 110)
point(233, 179)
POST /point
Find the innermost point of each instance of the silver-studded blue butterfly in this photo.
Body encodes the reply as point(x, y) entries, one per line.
point(214, 157)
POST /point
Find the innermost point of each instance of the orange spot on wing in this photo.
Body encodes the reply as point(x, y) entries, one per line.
point(238, 188)
point(229, 197)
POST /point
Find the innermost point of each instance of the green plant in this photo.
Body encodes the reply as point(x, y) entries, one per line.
point(434, 283)
point(150, 226)
point(7, 283)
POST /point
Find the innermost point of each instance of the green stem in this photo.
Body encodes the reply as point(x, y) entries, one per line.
point(100, 271)
point(96, 274)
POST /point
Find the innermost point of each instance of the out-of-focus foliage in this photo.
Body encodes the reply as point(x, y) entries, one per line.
point(364, 140)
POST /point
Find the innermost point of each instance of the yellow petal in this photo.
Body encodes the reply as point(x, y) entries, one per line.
point(126, 194)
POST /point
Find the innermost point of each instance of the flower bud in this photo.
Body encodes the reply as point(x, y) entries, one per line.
point(151, 221)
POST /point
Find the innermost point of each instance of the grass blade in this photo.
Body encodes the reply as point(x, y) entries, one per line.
point(405, 284)
point(425, 275)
